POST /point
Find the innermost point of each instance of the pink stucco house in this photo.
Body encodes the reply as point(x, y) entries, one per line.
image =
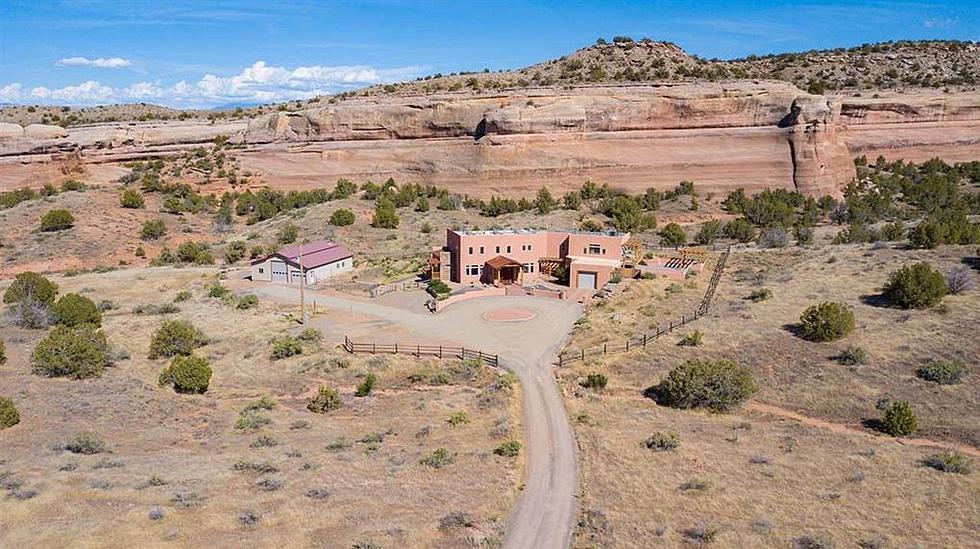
point(520, 256)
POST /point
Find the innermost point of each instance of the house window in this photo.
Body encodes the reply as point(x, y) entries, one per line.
point(529, 247)
point(529, 267)
point(473, 270)
point(481, 250)
point(508, 249)
point(498, 249)
point(594, 249)
point(471, 250)
point(261, 270)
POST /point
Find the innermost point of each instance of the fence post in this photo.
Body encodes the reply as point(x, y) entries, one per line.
point(627, 345)
point(583, 354)
point(396, 348)
point(440, 352)
point(418, 350)
point(644, 340)
point(374, 348)
point(603, 348)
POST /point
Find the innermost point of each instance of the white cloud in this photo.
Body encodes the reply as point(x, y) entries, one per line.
point(99, 62)
point(259, 83)
point(11, 93)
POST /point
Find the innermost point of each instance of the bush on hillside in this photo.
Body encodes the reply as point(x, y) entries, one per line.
point(187, 374)
point(86, 443)
point(285, 347)
point(663, 442)
point(916, 286)
point(899, 419)
point(827, 321)
point(326, 400)
point(510, 448)
point(672, 235)
point(75, 309)
point(153, 229)
point(342, 218)
point(235, 252)
point(31, 285)
point(8, 413)
point(30, 313)
point(949, 461)
point(57, 220)
point(366, 386)
point(176, 337)
point(385, 215)
point(960, 280)
point(288, 234)
point(131, 198)
point(773, 237)
point(715, 385)
point(3, 353)
point(852, 356)
point(77, 353)
point(596, 381)
point(740, 229)
point(943, 372)
point(708, 232)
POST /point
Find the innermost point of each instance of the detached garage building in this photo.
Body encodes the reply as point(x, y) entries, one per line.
point(321, 260)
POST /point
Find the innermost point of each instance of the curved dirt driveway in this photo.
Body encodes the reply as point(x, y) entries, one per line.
point(544, 515)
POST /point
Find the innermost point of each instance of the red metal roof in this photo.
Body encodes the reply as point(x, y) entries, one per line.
point(316, 254)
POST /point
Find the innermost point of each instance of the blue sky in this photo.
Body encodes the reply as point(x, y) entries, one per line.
point(199, 53)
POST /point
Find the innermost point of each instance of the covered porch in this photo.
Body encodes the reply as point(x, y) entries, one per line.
point(503, 271)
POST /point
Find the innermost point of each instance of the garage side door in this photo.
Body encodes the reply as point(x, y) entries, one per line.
point(586, 281)
point(278, 269)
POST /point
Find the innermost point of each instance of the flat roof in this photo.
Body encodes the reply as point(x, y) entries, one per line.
point(585, 260)
point(501, 232)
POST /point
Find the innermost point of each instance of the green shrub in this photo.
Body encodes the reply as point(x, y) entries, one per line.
point(77, 353)
point(595, 380)
point(264, 403)
point(366, 385)
point(693, 339)
point(218, 291)
point(131, 198)
point(740, 229)
point(87, 443)
point(943, 372)
point(510, 448)
point(187, 374)
point(3, 353)
point(247, 302)
point(75, 309)
point(153, 229)
point(715, 385)
point(57, 220)
point(285, 347)
point(663, 442)
point(385, 215)
point(853, 356)
point(31, 285)
point(458, 418)
point(176, 337)
point(235, 252)
point(326, 400)
point(761, 294)
point(915, 286)
point(288, 234)
point(438, 288)
point(672, 235)
point(342, 218)
point(827, 321)
point(251, 420)
point(948, 461)
point(310, 335)
point(8, 413)
point(899, 419)
point(708, 232)
point(182, 296)
point(438, 459)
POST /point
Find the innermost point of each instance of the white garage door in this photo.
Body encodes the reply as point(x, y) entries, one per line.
point(586, 281)
point(278, 269)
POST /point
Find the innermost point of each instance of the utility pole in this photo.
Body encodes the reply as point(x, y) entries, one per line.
point(302, 286)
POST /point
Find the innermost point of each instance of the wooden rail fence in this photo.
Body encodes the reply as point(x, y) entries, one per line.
point(419, 350)
point(572, 355)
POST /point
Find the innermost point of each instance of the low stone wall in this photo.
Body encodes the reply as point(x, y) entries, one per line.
point(443, 303)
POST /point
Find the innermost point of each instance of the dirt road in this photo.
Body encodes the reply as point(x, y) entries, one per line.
point(544, 514)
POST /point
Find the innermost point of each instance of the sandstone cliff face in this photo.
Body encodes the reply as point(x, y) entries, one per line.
point(821, 162)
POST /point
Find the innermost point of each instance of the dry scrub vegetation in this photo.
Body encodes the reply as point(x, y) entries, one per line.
point(757, 477)
point(120, 460)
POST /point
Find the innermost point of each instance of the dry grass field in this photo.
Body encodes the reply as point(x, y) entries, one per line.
point(762, 480)
point(333, 480)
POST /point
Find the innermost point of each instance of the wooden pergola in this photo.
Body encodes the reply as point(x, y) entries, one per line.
point(504, 270)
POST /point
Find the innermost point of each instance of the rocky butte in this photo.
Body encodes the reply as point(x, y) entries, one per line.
point(724, 134)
